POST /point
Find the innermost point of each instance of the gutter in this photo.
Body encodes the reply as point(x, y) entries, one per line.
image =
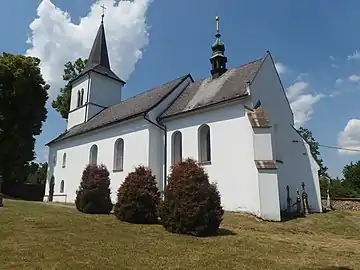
point(163, 128)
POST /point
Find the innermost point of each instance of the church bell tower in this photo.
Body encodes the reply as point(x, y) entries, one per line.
point(218, 59)
point(97, 87)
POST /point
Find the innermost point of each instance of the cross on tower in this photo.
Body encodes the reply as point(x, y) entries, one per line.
point(103, 13)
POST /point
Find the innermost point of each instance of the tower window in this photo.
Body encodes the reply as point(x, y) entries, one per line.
point(82, 97)
point(78, 99)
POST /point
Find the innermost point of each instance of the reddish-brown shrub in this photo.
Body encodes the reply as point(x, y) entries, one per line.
point(192, 205)
point(138, 198)
point(93, 195)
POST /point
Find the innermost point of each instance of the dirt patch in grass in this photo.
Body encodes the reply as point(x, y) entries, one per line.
point(41, 236)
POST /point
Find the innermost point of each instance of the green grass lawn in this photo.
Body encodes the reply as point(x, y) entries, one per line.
point(43, 236)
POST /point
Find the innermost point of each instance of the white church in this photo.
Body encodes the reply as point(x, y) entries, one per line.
point(237, 123)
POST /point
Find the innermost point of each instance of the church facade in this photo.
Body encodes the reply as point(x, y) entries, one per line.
point(236, 123)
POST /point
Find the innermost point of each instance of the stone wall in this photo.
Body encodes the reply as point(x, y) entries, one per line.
point(343, 203)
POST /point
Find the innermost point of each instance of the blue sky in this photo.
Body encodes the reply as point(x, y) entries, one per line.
point(312, 40)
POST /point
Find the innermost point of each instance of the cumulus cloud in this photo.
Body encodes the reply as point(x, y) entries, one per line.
point(301, 102)
point(281, 68)
point(354, 78)
point(350, 137)
point(56, 40)
point(339, 81)
point(354, 56)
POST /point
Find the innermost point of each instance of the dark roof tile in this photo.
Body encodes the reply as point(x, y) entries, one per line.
point(231, 84)
point(124, 110)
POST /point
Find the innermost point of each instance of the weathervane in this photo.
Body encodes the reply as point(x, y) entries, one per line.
point(103, 13)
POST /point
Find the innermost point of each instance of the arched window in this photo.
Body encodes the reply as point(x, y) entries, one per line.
point(176, 145)
point(82, 97)
point(119, 155)
point(78, 99)
point(93, 154)
point(204, 144)
point(62, 186)
point(64, 160)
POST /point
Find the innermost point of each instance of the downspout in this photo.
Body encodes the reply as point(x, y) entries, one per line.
point(163, 128)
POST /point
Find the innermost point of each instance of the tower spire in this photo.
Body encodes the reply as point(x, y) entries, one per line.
point(218, 59)
point(98, 60)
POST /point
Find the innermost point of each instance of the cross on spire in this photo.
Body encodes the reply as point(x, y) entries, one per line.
point(103, 13)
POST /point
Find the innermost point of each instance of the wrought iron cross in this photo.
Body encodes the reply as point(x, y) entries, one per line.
point(103, 13)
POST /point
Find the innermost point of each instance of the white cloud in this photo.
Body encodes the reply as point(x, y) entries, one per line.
point(301, 103)
point(56, 40)
point(350, 137)
point(332, 58)
point(354, 56)
point(354, 78)
point(339, 81)
point(281, 68)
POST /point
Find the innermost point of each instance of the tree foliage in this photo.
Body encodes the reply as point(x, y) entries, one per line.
point(314, 148)
point(192, 205)
point(93, 195)
point(36, 172)
point(23, 95)
point(351, 173)
point(62, 102)
point(138, 198)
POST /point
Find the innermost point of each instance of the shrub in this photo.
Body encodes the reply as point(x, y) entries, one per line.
point(192, 205)
point(138, 198)
point(93, 195)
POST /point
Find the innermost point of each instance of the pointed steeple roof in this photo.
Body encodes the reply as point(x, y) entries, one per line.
point(98, 60)
point(99, 53)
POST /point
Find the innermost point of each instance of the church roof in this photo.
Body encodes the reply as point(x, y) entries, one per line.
point(230, 85)
point(98, 60)
point(127, 109)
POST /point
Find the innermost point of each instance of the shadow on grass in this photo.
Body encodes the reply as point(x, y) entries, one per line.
point(224, 232)
point(291, 216)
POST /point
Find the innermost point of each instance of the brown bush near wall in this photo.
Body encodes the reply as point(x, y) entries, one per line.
point(343, 203)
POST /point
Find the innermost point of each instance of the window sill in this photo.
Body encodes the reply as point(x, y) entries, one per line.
point(118, 170)
point(205, 163)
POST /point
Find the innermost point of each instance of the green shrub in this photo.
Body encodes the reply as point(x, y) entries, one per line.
point(192, 205)
point(93, 195)
point(138, 198)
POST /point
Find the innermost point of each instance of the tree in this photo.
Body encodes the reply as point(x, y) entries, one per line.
point(314, 148)
point(62, 102)
point(93, 195)
point(36, 173)
point(138, 198)
point(192, 205)
point(23, 95)
point(351, 174)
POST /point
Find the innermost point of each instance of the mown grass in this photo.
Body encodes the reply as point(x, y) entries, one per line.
point(43, 236)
